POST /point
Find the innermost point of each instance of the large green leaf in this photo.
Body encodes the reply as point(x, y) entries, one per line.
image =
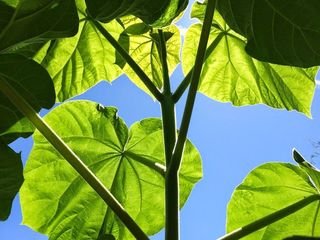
point(32, 82)
point(10, 179)
point(80, 62)
point(142, 42)
point(25, 21)
point(230, 75)
point(157, 13)
point(282, 32)
point(129, 163)
point(269, 188)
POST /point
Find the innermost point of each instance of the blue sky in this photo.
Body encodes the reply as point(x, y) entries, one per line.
point(231, 140)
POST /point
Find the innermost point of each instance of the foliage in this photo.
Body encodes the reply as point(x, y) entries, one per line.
point(121, 181)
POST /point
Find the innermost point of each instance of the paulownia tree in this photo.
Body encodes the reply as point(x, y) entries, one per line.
point(89, 176)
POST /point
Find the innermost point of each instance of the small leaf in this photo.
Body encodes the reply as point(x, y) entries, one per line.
point(158, 13)
point(308, 168)
point(78, 63)
point(271, 187)
point(33, 83)
point(230, 75)
point(30, 22)
point(143, 49)
point(130, 163)
point(10, 179)
point(281, 32)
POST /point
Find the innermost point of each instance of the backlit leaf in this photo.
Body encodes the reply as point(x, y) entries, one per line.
point(269, 188)
point(282, 32)
point(129, 162)
point(230, 75)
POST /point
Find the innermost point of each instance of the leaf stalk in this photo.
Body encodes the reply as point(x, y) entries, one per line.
point(269, 219)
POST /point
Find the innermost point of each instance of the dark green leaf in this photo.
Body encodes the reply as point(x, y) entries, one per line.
point(271, 187)
point(129, 162)
point(282, 32)
point(30, 80)
point(230, 75)
point(34, 21)
point(10, 179)
point(158, 13)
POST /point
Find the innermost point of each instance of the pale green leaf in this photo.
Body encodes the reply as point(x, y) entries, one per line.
point(10, 179)
point(78, 63)
point(271, 187)
point(129, 162)
point(141, 43)
point(230, 75)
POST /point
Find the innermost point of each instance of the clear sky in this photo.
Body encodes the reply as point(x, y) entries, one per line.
point(231, 140)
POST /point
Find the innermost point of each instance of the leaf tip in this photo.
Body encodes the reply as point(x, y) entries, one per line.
point(297, 156)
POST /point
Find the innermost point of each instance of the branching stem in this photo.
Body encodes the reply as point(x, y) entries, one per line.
point(135, 67)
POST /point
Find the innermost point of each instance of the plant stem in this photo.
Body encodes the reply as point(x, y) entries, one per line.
point(165, 69)
point(267, 220)
point(72, 158)
point(186, 81)
point(135, 67)
point(172, 180)
point(170, 136)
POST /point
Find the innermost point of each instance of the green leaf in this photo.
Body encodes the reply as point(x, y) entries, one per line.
point(78, 63)
point(230, 75)
point(158, 13)
point(282, 32)
point(267, 189)
point(129, 162)
point(22, 128)
point(11, 179)
point(33, 83)
point(312, 171)
point(25, 21)
point(142, 47)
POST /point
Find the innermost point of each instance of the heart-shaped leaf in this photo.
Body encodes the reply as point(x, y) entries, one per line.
point(78, 63)
point(32, 82)
point(158, 13)
point(271, 187)
point(129, 162)
point(10, 179)
point(230, 75)
point(23, 22)
point(282, 32)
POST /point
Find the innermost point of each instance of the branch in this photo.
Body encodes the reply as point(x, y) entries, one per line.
point(267, 220)
point(135, 67)
point(72, 158)
point(172, 179)
point(165, 69)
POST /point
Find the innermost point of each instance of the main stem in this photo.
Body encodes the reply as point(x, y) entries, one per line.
point(267, 220)
point(172, 179)
point(72, 158)
point(170, 136)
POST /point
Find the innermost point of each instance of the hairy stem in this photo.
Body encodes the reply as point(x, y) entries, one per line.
point(267, 220)
point(135, 67)
point(72, 158)
point(172, 180)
